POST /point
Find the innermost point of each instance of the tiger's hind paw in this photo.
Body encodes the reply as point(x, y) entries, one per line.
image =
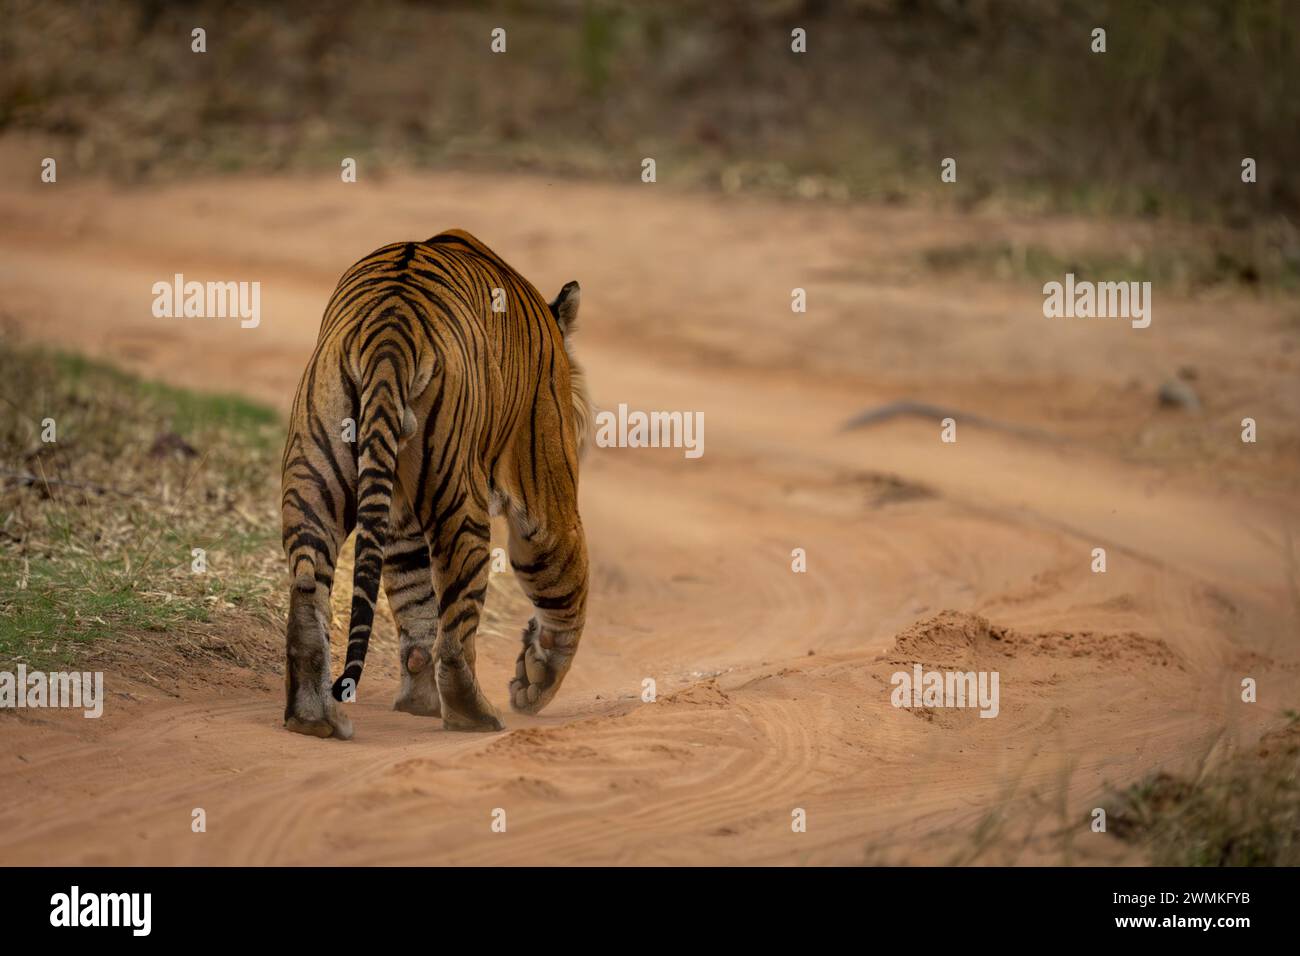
point(335, 723)
point(419, 693)
point(418, 704)
point(487, 722)
point(463, 705)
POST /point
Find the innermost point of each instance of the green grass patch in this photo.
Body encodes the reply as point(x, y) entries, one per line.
point(127, 506)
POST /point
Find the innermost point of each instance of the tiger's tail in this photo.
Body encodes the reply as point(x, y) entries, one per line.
point(378, 433)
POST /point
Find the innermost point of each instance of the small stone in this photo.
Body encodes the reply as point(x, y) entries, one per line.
point(1177, 393)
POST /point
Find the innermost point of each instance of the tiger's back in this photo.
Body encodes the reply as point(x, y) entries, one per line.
point(420, 408)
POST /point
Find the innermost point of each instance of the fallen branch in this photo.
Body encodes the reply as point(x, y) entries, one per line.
point(938, 413)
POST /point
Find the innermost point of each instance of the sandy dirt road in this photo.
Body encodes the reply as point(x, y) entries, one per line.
point(773, 687)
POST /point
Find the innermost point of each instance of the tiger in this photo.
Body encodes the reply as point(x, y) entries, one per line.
point(460, 409)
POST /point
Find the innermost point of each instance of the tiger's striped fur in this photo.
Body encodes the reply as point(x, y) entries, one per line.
point(459, 411)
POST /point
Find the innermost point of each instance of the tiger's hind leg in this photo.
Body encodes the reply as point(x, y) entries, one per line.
point(309, 707)
point(461, 561)
point(408, 582)
point(315, 520)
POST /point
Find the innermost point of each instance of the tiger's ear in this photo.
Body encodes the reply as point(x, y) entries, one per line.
point(565, 307)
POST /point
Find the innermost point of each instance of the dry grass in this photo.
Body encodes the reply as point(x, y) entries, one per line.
point(1241, 812)
point(1239, 808)
point(98, 527)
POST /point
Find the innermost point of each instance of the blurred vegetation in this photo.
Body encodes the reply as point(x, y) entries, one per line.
point(1244, 812)
point(1158, 124)
point(1219, 260)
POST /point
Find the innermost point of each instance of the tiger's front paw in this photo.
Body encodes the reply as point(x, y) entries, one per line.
point(540, 667)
